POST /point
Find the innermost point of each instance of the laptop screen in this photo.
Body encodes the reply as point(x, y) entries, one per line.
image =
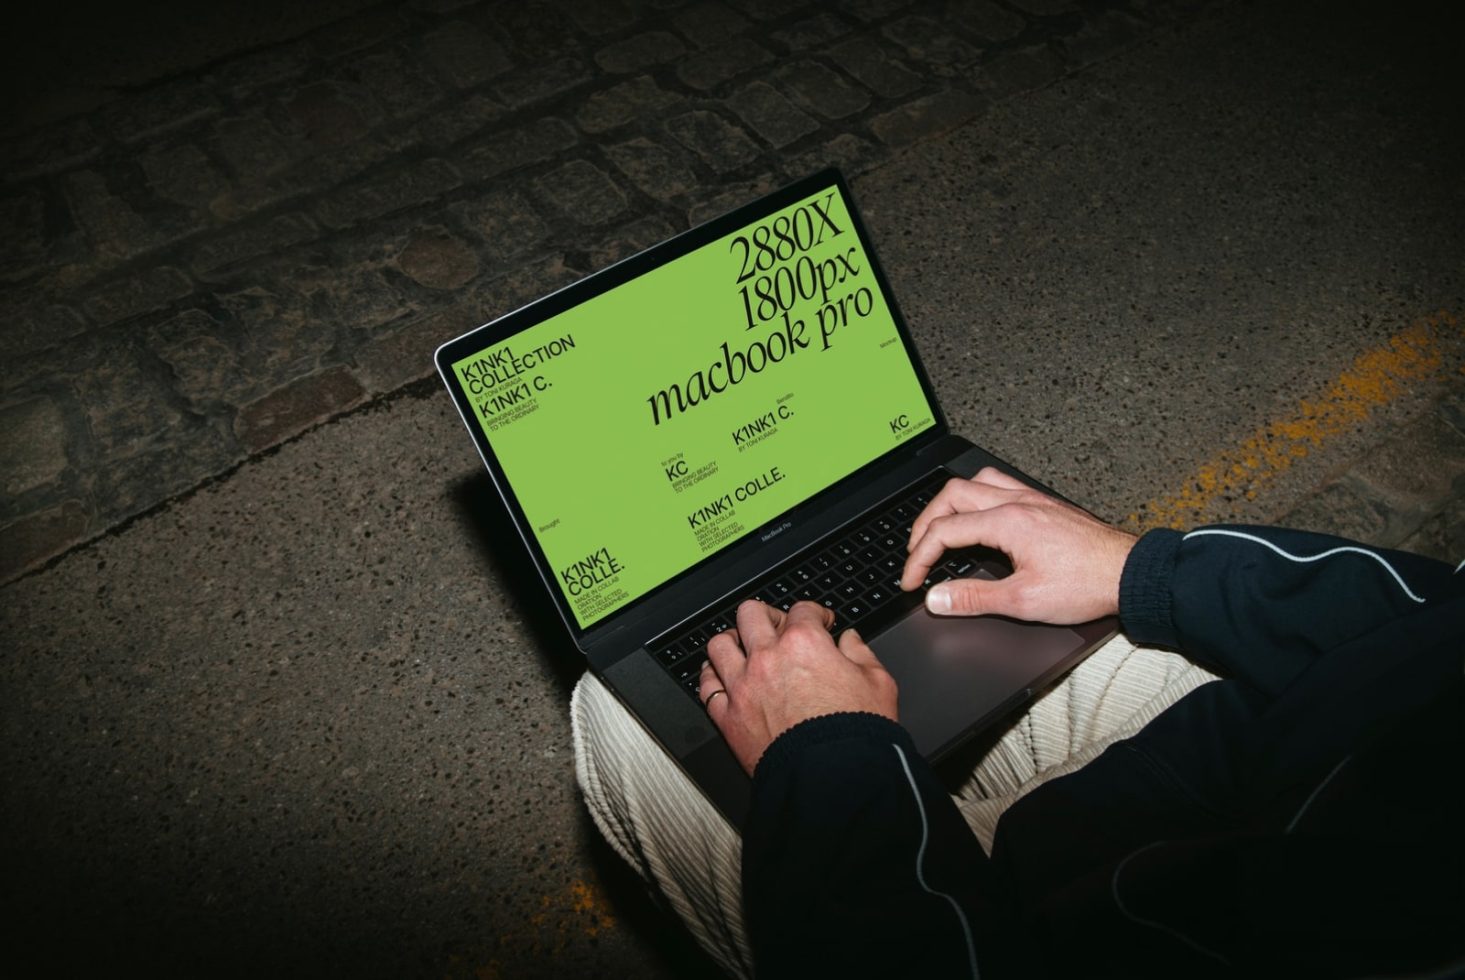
point(658, 422)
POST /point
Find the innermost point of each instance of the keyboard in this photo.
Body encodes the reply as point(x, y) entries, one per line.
point(857, 577)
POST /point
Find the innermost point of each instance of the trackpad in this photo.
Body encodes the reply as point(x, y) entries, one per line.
point(957, 674)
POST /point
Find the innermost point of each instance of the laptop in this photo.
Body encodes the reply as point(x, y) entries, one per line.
point(740, 412)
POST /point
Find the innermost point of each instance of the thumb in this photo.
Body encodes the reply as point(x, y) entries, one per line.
point(971, 597)
point(854, 648)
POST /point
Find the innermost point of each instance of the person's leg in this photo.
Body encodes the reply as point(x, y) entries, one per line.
point(660, 823)
point(1108, 697)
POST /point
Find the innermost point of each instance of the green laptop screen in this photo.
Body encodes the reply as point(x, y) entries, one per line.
point(659, 422)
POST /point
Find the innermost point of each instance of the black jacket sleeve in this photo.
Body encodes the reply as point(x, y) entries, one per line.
point(1262, 603)
point(855, 861)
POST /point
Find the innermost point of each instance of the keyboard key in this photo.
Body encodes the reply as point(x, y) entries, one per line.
point(802, 574)
point(872, 576)
point(822, 563)
point(848, 590)
point(777, 589)
point(827, 581)
point(669, 654)
point(870, 555)
point(878, 597)
point(853, 610)
point(846, 548)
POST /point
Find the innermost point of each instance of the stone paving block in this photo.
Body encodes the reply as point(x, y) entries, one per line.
point(927, 116)
point(873, 10)
point(22, 232)
point(266, 328)
point(114, 228)
point(385, 193)
point(363, 30)
point(437, 259)
point(583, 192)
point(507, 223)
point(325, 117)
point(127, 405)
point(867, 61)
point(313, 175)
point(985, 19)
point(32, 445)
point(60, 146)
point(718, 142)
point(720, 200)
point(400, 88)
point(846, 151)
point(503, 294)
point(405, 355)
point(183, 174)
point(457, 119)
point(1418, 469)
point(639, 98)
point(640, 52)
point(1452, 409)
point(28, 542)
point(1020, 71)
point(195, 450)
point(811, 32)
point(1044, 8)
point(1340, 508)
point(253, 148)
point(250, 241)
point(820, 89)
point(656, 170)
point(1102, 35)
point(934, 44)
point(242, 76)
point(1443, 535)
point(35, 326)
point(298, 406)
point(464, 55)
point(598, 17)
point(770, 9)
point(131, 295)
point(542, 81)
point(358, 296)
point(159, 109)
point(534, 142)
point(705, 70)
point(635, 237)
point(206, 370)
point(770, 115)
point(709, 24)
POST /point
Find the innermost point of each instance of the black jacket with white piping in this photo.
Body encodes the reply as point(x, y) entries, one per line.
point(1303, 816)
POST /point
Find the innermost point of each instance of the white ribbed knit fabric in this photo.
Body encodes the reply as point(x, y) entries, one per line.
point(655, 818)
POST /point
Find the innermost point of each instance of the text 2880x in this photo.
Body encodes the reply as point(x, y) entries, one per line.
point(784, 237)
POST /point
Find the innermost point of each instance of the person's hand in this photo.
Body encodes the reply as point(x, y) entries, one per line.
point(1065, 563)
point(778, 669)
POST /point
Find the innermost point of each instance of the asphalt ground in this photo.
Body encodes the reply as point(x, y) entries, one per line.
point(308, 719)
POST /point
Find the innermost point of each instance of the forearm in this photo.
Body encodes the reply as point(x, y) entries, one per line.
point(856, 862)
point(1260, 602)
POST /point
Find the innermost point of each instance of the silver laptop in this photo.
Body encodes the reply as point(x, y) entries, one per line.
point(739, 412)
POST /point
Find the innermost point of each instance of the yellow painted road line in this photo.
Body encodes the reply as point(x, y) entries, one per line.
point(1412, 357)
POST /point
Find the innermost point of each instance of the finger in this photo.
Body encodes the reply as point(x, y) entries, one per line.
point(853, 646)
point(958, 497)
point(758, 624)
point(977, 597)
point(708, 681)
point(955, 531)
point(725, 656)
point(992, 476)
point(808, 612)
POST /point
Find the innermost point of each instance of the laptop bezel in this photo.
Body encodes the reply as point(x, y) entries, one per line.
point(503, 328)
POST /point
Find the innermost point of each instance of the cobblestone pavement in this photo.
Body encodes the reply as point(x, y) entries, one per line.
point(204, 267)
